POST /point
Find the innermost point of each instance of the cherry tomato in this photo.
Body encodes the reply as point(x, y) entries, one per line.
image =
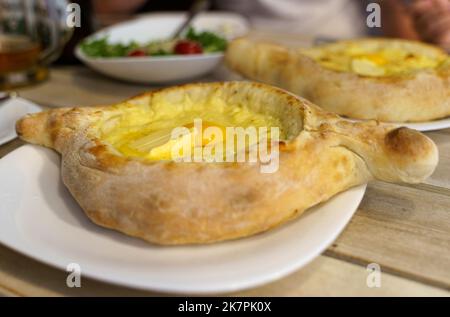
point(137, 53)
point(185, 47)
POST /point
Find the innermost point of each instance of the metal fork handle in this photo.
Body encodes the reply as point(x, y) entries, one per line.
point(197, 7)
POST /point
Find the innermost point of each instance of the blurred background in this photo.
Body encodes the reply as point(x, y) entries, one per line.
point(425, 20)
point(34, 33)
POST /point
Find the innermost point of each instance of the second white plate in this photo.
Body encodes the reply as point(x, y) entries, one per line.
point(39, 218)
point(421, 126)
point(429, 125)
point(10, 112)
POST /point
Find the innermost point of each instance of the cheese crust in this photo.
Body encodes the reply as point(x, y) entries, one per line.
point(383, 79)
point(172, 203)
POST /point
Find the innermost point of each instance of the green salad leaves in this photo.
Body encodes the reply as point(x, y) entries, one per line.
point(192, 42)
point(210, 41)
point(102, 48)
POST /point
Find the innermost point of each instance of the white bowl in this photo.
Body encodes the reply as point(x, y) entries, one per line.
point(162, 69)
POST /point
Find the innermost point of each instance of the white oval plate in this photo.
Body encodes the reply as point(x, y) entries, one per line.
point(39, 218)
point(11, 111)
point(162, 69)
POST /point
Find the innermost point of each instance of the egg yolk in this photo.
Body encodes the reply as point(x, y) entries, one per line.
point(148, 133)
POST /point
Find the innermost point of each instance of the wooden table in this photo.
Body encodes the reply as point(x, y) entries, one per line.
point(403, 228)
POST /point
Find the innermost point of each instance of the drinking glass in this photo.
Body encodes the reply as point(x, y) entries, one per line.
point(32, 35)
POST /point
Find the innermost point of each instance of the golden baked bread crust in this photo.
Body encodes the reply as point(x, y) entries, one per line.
point(187, 203)
point(412, 97)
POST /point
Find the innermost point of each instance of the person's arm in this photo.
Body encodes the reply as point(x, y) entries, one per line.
point(426, 20)
point(432, 21)
point(397, 21)
point(117, 6)
point(108, 12)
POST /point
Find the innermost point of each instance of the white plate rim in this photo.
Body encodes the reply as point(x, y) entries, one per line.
point(423, 126)
point(31, 108)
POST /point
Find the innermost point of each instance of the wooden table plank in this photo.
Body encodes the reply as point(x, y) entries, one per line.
point(405, 230)
point(21, 276)
point(73, 86)
point(331, 277)
point(10, 146)
point(78, 86)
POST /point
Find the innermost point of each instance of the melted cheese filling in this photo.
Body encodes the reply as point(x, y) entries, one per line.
point(374, 62)
point(146, 133)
